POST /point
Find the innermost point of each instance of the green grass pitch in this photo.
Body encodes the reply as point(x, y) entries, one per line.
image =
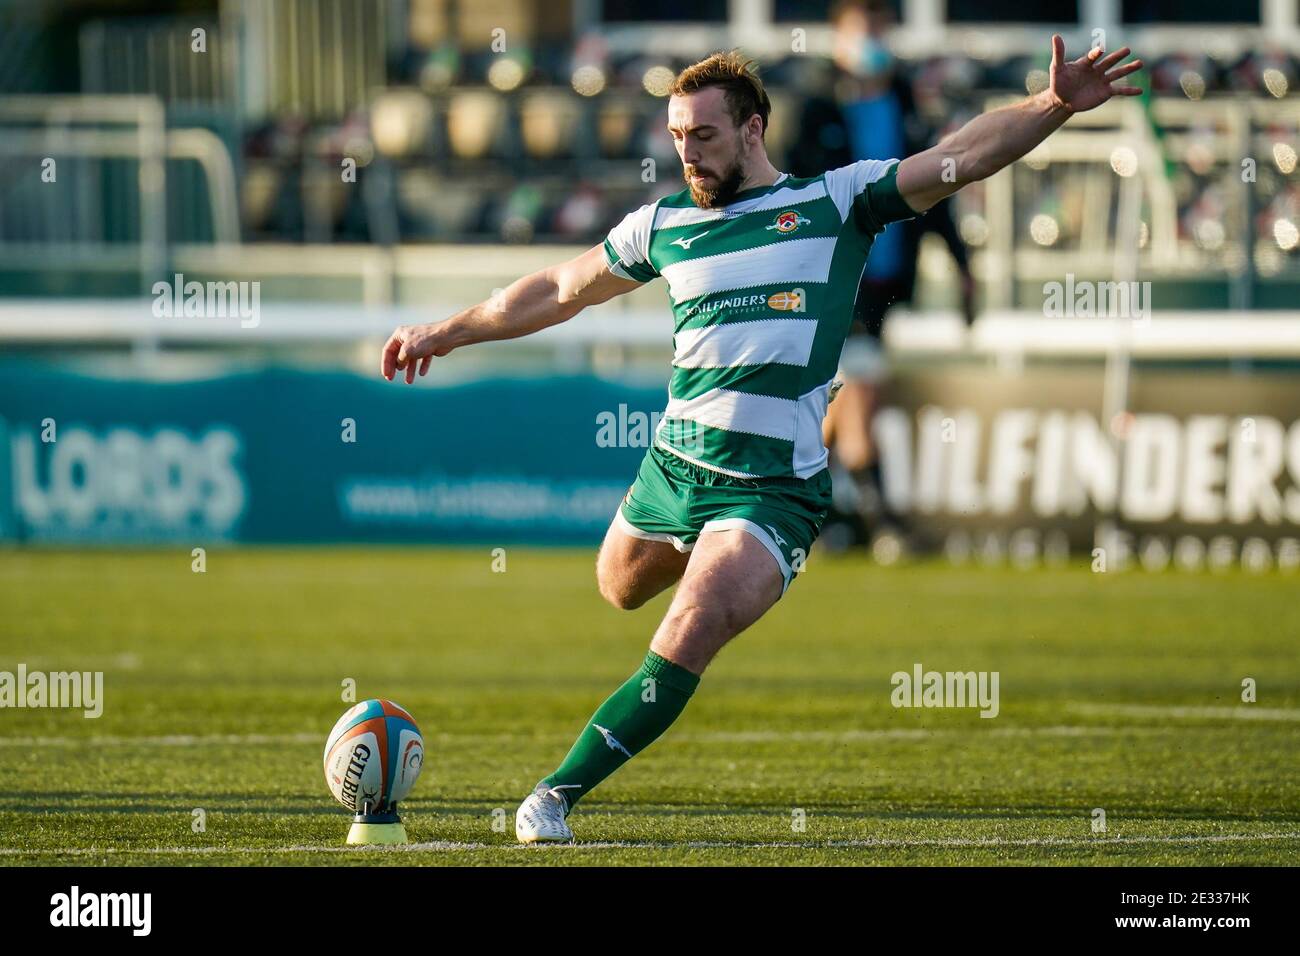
point(1118, 691)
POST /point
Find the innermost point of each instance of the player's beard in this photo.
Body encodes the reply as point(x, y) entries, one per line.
point(721, 194)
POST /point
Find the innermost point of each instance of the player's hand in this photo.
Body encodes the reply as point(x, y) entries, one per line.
point(1087, 82)
point(413, 346)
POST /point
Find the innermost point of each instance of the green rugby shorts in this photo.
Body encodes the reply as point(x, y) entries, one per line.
point(674, 500)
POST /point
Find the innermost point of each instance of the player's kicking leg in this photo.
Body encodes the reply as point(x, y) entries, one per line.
point(731, 579)
point(633, 565)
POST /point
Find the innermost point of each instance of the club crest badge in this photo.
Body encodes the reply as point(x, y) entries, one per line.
point(788, 221)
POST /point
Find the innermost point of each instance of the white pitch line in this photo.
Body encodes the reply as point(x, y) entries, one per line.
point(708, 737)
point(910, 733)
point(1237, 712)
point(936, 841)
point(169, 740)
point(1176, 712)
point(126, 661)
point(446, 846)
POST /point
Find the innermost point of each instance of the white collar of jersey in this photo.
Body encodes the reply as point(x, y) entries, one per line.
point(756, 191)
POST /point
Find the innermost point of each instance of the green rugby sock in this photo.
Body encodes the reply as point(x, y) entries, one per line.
point(631, 719)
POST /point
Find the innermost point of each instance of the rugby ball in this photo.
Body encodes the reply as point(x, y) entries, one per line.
point(373, 756)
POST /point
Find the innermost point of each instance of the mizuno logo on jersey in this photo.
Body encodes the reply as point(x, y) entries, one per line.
point(776, 536)
point(686, 243)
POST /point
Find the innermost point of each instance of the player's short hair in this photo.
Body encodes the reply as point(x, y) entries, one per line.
point(737, 76)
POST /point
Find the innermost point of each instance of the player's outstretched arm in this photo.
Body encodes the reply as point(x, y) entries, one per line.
point(1000, 137)
point(527, 305)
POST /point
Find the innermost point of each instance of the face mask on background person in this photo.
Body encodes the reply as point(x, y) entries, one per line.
point(872, 57)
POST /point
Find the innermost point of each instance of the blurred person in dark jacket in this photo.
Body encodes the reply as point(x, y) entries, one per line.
point(868, 111)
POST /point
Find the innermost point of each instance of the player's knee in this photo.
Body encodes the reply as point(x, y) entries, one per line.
point(616, 589)
point(622, 598)
point(692, 634)
point(703, 622)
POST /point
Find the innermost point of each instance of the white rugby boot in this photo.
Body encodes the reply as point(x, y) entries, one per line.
point(540, 818)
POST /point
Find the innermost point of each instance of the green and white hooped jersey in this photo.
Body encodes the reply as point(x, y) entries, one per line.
point(762, 293)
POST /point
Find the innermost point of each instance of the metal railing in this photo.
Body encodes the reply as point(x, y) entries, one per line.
point(88, 182)
point(1226, 130)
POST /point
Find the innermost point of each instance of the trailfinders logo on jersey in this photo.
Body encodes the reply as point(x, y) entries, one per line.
point(790, 300)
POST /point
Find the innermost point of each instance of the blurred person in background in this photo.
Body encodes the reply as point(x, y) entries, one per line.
point(868, 111)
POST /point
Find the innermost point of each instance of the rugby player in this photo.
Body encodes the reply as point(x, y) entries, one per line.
point(761, 270)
